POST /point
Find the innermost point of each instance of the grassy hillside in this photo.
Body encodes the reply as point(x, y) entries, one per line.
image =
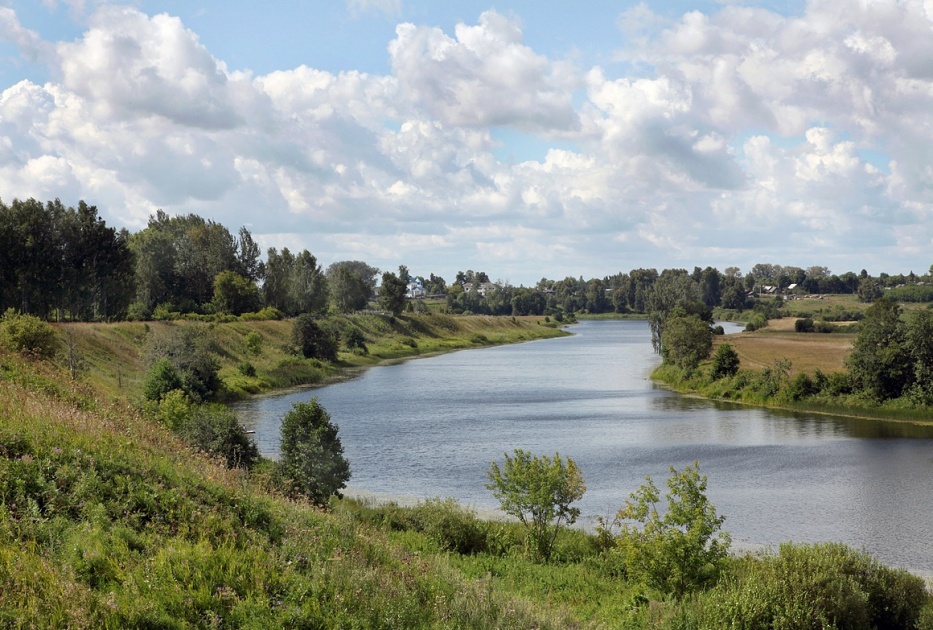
point(115, 357)
point(108, 520)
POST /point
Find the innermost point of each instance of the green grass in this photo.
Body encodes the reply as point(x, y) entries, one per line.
point(115, 355)
point(108, 520)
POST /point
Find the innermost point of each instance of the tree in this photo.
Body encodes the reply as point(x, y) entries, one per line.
point(538, 492)
point(674, 287)
point(312, 458)
point(235, 294)
point(314, 341)
point(869, 290)
point(686, 340)
point(348, 291)
point(919, 343)
point(190, 354)
point(682, 548)
point(879, 363)
point(394, 287)
point(725, 362)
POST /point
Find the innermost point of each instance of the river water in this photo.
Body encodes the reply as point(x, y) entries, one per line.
point(430, 428)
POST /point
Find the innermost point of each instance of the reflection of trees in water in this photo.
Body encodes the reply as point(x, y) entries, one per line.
point(804, 424)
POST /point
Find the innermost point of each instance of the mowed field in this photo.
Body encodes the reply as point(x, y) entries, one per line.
point(806, 351)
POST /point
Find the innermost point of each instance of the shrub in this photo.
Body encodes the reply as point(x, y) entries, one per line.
point(161, 379)
point(454, 527)
point(681, 549)
point(725, 362)
point(254, 342)
point(801, 386)
point(354, 341)
point(538, 492)
point(190, 352)
point(138, 312)
point(246, 369)
point(314, 341)
point(215, 430)
point(27, 334)
point(818, 586)
point(312, 462)
point(803, 325)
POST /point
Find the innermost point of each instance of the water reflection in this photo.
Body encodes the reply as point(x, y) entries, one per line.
point(431, 427)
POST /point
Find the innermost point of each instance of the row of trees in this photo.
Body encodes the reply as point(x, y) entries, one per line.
point(58, 260)
point(62, 262)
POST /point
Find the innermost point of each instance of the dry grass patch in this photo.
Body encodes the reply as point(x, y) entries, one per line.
point(806, 351)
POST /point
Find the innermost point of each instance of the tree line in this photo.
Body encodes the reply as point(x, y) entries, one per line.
point(60, 262)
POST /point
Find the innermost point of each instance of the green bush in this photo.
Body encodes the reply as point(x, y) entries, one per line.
point(215, 430)
point(190, 353)
point(814, 587)
point(678, 549)
point(354, 341)
point(803, 325)
point(28, 335)
point(161, 379)
point(312, 462)
point(313, 340)
point(454, 527)
point(246, 369)
point(725, 362)
point(254, 342)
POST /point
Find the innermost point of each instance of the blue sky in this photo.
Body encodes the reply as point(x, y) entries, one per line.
point(498, 136)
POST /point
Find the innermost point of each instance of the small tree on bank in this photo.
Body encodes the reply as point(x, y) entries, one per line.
point(312, 458)
point(680, 549)
point(538, 492)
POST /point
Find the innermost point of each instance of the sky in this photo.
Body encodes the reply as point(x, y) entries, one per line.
point(580, 139)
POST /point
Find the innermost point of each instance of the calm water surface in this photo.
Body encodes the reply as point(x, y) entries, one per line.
point(430, 427)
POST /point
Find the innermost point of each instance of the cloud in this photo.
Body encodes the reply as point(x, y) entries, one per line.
point(726, 138)
point(485, 76)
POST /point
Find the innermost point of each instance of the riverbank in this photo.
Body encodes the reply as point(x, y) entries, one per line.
point(254, 356)
point(786, 370)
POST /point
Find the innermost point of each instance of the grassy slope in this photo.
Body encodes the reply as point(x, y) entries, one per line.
point(114, 355)
point(108, 520)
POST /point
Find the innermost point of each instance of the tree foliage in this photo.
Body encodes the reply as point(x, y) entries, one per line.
point(235, 294)
point(681, 548)
point(879, 364)
point(312, 458)
point(725, 362)
point(538, 491)
point(314, 340)
point(686, 340)
point(189, 353)
point(392, 293)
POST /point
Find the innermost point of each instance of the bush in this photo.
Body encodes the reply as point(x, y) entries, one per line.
point(190, 352)
point(725, 362)
point(814, 587)
point(354, 341)
point(312, 462)
point(254, 342)
point(27, 334)
point(538, 492)
point(246, 369)
point(160, 380)
point(681, 549)
point(454, 527)
point(138, 312)
point(803, 325)
point(314, 341)
point(215, 430)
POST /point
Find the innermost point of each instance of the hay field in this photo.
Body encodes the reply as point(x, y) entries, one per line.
point(806, 351)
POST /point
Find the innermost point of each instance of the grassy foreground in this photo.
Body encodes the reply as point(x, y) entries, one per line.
point(108, 520)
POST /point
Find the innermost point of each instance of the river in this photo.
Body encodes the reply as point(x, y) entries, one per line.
point(430, 428)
